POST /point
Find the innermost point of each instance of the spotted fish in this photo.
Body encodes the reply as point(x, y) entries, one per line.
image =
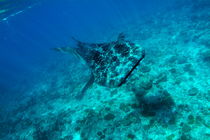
point(110, 63)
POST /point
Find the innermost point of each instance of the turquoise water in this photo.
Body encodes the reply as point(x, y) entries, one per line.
point(166, 97)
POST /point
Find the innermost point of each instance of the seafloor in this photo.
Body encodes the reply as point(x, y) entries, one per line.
point(166, 98)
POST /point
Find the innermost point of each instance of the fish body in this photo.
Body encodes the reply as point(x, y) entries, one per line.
point(111, 63)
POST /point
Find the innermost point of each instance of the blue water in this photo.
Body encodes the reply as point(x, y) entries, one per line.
point(28, 67)
point(26, 39)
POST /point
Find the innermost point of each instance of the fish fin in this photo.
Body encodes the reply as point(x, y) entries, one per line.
point(64, 49)
point(87, 85)
point(79, 44)
point(83, 45)
point(71, 51)
point(57, 49)
point(73, 38)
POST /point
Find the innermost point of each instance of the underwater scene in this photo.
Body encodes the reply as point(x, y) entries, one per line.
point(104, 69)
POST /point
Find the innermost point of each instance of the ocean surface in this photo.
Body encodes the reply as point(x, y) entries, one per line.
point(60, 62)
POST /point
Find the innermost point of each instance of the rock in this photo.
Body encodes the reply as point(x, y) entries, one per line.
point(146, 84)
point(99, 133)
point(70, 137)
point(124, 107)
point(170, 137)
point(131, 136)
point(142, 87)
point(173, 70)
point(206, 56)
point(188, 68)
point(191, 119)
point(186, 128)
point(145, 69)
point(131, 118)
point(181, 60)
point(140, 92)
point(193, 91)
point(109, 117)
point(102, 136)
point(172, 59)
point(185, 137)
point(161, 78)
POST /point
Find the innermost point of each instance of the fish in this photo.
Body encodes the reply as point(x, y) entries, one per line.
point(110, 63)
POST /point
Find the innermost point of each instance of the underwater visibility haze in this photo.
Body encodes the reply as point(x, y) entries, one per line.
point(104, 70)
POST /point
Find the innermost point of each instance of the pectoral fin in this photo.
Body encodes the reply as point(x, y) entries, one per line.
point(69, 50)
